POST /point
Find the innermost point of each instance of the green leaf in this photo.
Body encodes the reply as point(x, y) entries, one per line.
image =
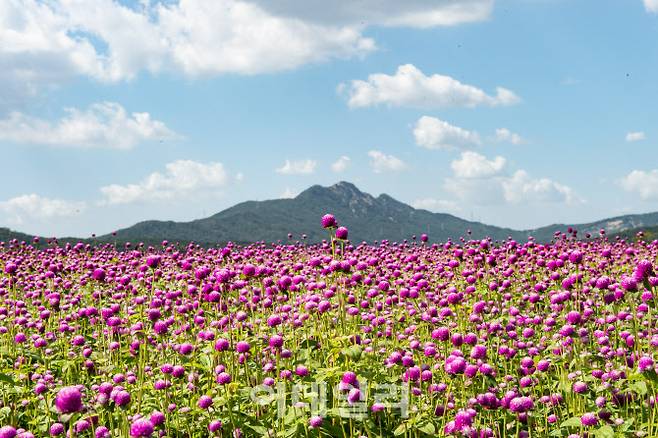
point(571, 422)
point(401, 429)
point(5, 411)
point(427, 428)
point(604, 432)
point(258, 429)
point(6, 378)
point(639, 387)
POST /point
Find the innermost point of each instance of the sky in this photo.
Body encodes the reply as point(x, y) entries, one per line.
point(518, 113)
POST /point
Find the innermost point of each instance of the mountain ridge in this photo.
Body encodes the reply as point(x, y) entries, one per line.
point(367, 217)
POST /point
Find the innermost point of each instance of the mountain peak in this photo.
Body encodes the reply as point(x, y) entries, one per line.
point(346, 190)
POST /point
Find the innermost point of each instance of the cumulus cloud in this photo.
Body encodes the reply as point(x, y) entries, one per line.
point(181, 178)
point(341, 164)
point(433, 133)
point(381, 162)
point(480, 180)
point(473, 165)
point(644, 183)
point(651, 5)
point(635, 136)
point(410, 13)
point(410, 87)
point(102, 125)
point(32, 206)
point(520, 187)
point(48, 43)
point(301, 167)
point(504, 135)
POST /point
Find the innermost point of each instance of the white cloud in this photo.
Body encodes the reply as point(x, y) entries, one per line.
point(473, 165)
point(45, 44)
point(438, 205)
point(479, 180)
point(635, 136)
point(410, 87)
point(433, 133)
point(644, 183)
point(504, 135)
point(381, 162)
point(651, 5)
point(300, 167)
point(33, 206)
point(409, 13)
point(520, 187)
point(181, 178)
point(341, 164)
point(102, 125)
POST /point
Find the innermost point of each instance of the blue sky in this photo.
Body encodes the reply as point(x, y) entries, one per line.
point(519, 113)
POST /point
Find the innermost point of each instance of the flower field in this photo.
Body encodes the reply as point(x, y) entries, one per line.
point(469, 338)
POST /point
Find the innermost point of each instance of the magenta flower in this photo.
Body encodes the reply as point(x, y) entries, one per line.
point(328, 221)
point(341, 233)
point(68, 400)
point(141, 428)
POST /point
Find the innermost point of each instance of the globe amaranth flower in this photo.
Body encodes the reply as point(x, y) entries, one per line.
point(7, 431)
point(57, 429)
point(153, 261)
point(214, 425)
point(341, 233)
point(205, 402)
point(315, 422)
point(521, 404)
point(589, 419)
point(328, 221)
point(68, 400)
point(645, 363)
point(102, 432)
point(223, 378)
point(242, 347)
point(141, 428)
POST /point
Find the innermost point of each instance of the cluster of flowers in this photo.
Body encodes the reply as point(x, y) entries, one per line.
point(485, 338)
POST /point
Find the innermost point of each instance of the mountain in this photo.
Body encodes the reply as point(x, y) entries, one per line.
point(368, 218)
point(625, 226)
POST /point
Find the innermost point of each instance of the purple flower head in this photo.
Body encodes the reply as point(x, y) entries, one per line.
point(350, 378)
point(102, 432)
point(153, 261)
point(315, 422)
point(205, 402)
point(141, 428)
point(7, 432)
point(68, 400)
point(589, 419)
point(341, 233)
point(354, 395)
point(242, 347)
point(328, 221)
point(521, 404)
point(157, 418)
point(276, 341)
point(645, 363)
point(579, 387)
point(122, 398)
point(214, 425)
point(56, 429)
point(222, 344)
point(223, 378)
